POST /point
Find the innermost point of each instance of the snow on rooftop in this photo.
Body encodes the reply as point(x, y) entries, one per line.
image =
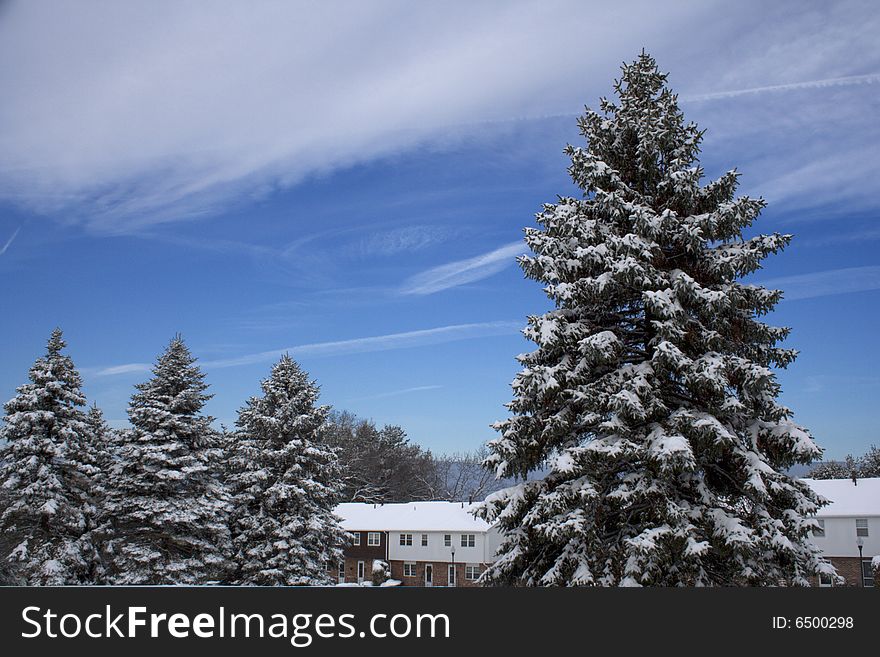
point(848, 499)
point(414, 516)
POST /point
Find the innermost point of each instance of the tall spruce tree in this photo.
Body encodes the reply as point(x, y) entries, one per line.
point(650, 398)
point(47, 482)
point(166, 512)
point(286, 483)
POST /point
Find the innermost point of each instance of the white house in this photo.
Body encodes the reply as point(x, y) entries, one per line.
point(425, 543)
point(849, 527)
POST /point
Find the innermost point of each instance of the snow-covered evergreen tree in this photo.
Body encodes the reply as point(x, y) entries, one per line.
point(650, 398)
point(47, 482)
point(286, 483)
point(96, 454)
point(867, 465)
point(166, 513)
point(846, 469)
point(99, 439)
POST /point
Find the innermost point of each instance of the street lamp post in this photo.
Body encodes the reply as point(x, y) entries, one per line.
point(454, 575)
point(860, 542)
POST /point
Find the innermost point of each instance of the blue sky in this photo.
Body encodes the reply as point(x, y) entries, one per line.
point(349, 181)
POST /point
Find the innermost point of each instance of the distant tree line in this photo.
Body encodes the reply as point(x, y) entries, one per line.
point(382, 465)
point(852, 467)
point(172, 500)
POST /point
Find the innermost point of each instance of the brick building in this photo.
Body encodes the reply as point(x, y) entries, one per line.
point(424, 543)
point(849, 527)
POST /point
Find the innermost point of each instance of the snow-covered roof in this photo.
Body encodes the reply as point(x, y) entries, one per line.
point(414, 516)
point(848, 499)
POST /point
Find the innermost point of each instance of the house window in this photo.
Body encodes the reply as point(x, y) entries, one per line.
point(468, 540)
point(406, 539)
point(360, 571)
point(409, 570)
point(374, 538)
point(819, 529)
point(867, 573)
point(471, 572)
point(447, 540)
point(424, 540)
point(356, 538)
point(825, 580)
point(861, 526)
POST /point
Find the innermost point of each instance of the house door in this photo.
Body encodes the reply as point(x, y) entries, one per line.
point(340, 573)
point(451, 576)
point(360, 571)
point(429, 575)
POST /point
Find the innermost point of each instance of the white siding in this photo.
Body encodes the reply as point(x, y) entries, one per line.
point(493, 542)
point(840, 537)
point(436, 551)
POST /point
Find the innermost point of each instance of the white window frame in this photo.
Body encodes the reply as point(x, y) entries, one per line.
point(361, 571)
point(409, 569)
point(450, 575)
point(355, 538)
point(447, 540)
point(819, 529)
point(424, 540)
point(825, 581)
point(867, 574)
point(406, 540)
point(472, 572)
point(374, 539)
point(468, 540)
point(862, 527)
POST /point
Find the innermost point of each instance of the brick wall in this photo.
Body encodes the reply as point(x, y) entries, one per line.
point(351, 569)
point(848, 568)
point(440, 574)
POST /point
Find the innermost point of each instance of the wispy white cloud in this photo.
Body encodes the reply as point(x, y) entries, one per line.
point(387, 342)
point(391, 341)
point(461, 272)
point(871, 78)
point(864, 235)
point(9, 242)
point(127, 368)
point(406, 239)
point(820, 383)
point(397, 393)
point(171, 111)
point(826, 283)
point(836, 181)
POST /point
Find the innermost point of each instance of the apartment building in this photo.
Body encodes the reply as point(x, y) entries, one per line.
point(424, 543)
point(849, 527)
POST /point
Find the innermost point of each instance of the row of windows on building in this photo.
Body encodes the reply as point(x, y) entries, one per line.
point(471, 571)
point(374, 539)
point(861, 527)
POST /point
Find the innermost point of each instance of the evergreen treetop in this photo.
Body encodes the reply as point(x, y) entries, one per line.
point(287, 482)
point(45, 476)
point(166, 510)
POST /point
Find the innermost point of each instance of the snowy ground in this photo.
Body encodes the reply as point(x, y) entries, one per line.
point(390, 582)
